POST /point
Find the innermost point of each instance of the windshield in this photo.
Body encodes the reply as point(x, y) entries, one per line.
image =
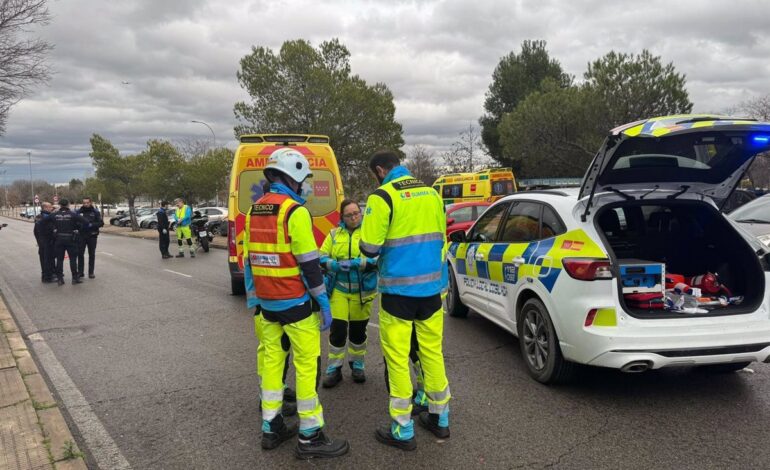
point(502, 187)
point(321, 201)
point(757, 211)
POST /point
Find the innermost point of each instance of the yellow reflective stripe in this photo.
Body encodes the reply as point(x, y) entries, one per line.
point(605, 317)
point(285, 205)
point(269, 247)
point(275, 272)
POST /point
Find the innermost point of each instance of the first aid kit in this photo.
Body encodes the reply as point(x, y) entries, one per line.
point(639, 276)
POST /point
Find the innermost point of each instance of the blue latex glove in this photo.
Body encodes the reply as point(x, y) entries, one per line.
point(355, 264)
point(344, 265)
point(326, 311)
point(333, 266)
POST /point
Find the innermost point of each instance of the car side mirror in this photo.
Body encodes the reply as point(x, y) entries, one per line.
point(450, 221)
point(458, 236)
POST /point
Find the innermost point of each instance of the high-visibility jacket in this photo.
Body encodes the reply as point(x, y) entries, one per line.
point(274, 268)
point(340, 245)
point(405, 225)
point(183, 216)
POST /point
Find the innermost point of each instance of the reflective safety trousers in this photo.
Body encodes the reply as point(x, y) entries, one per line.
point(405, 225)
point(305, 338)
point(395, 336)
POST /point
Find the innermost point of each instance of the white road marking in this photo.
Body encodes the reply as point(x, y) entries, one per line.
point(181, 274)
point(98, 440)
point(105, 253)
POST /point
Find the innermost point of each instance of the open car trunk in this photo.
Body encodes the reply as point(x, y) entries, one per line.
point(690, 238)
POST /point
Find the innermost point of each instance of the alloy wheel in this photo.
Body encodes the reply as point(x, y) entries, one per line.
point(536, 339)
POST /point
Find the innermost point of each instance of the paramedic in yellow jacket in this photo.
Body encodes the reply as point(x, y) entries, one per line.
point(405, 226)
point(353, 286)
point(183, 218)
point(286, 271)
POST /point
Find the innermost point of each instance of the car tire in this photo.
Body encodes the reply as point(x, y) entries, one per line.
point(539, 345)
point(727, 368)
point(153, 225)
point(454, 305)
point(237, 287)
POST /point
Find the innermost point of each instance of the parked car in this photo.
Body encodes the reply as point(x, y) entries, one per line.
point(214, 213)
point(754, 217)
point(146, 221)
point(460, 216)
point(578, 275)
point(125, 221)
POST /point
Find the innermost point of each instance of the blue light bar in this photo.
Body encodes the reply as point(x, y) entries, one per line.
point(761, 139)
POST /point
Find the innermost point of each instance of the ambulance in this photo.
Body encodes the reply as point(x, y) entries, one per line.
point(247, 181)
point(486, 185)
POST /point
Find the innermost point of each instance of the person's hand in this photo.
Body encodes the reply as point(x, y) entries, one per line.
point(165, 232)
point(344, 265)
point(332, 265)
point(355, 264)
point(326, 317)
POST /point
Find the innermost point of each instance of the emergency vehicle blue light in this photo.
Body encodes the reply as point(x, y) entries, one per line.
point(761, 139)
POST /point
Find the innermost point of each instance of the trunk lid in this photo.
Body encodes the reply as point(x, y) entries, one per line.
point(702, 154)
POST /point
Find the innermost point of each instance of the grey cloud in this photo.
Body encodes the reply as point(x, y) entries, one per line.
point(437, 57)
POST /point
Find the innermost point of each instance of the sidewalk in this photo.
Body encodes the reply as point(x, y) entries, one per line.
point(33, 433)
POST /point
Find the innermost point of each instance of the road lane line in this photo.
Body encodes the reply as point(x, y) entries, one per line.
point(181, 274)
point(98, 440)
point(105, 253)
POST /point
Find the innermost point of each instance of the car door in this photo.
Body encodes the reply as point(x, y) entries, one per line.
point(461, 219)
point(509, 258)
point(471, 262)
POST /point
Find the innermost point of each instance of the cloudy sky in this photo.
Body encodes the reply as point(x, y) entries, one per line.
point(181, 56)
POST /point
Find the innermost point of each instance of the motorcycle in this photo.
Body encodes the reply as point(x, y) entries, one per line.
point(198, 227)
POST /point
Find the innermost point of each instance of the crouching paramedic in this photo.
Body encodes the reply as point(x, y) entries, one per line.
point(405, 225)
point(355, 285)
point(286, 270)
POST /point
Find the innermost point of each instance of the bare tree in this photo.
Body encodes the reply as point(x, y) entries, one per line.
point(421, 163)
point(22, 60)
point(757, 107)
point(467, 153)
point(759, 171)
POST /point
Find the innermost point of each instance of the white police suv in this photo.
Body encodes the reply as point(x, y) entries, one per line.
point(638, 269)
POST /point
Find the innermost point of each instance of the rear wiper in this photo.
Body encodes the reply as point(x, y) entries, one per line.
point(649, 192)
point(679, 193)
point(753, 221)
point(627, 197)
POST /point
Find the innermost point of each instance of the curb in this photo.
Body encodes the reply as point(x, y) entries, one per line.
point(37, 433)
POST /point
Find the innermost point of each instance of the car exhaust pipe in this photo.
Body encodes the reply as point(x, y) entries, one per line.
point(635, 367)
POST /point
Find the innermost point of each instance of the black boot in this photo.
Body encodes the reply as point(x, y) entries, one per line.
point(180, 255)
point(384, 435)
point(430, 422)
point(60, 281)
point(331, 379)
point(359, 376)
point(91, 276)
point(320, 446)
point(278, 434)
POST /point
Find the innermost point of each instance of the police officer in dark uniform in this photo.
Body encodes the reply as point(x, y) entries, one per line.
point(67, 226)
point(88, 236)
point(163, 226)
point(45, 237)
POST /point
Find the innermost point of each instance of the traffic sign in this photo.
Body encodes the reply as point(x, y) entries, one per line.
point(37, 199)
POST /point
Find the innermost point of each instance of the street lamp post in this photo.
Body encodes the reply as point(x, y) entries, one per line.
point(216, 197)
point(212, 131)
point(31, 184)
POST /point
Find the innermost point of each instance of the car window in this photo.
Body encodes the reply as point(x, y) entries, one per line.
point(215, 212)
point(452, 191)
point(523, 223)
point(485, 229)
point(551, 224)
point(464, 214)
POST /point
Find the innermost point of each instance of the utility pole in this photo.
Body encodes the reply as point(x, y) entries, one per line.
point(31, 184)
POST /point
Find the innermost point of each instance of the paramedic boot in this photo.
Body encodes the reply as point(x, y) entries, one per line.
point(276, 432)
point(318, 445)
point(180, 255)
point(332, 377)
point(437, 424)
point(419, 403)
point(400, 437)
point(357, 368)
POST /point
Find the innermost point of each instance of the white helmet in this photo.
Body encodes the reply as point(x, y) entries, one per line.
point(289, 162)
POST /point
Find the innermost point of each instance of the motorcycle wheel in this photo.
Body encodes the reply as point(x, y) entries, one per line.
point(205, 244)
